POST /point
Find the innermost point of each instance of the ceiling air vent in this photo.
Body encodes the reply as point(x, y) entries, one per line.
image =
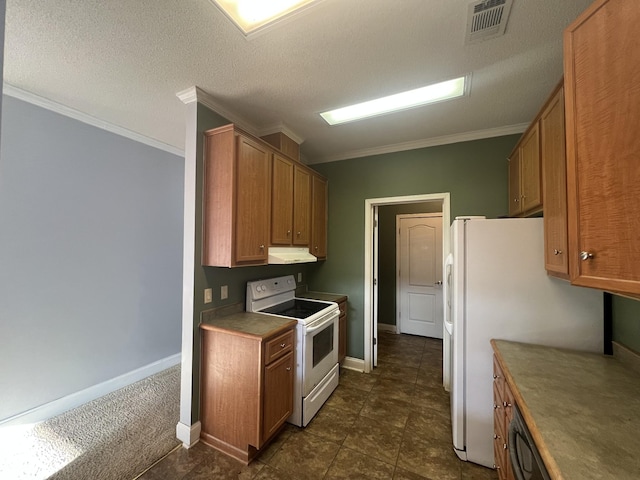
point(487, 19)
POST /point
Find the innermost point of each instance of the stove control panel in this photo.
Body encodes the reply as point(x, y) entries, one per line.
point(270, 287)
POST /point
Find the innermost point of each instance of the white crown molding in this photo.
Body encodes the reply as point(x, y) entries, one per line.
point(196, 94)
point(32, 98)
point(282, 128)
point(427, 142)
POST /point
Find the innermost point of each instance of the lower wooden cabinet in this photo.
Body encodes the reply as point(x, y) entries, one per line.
point(246, 389)
point(502, 414)
point(342, 331)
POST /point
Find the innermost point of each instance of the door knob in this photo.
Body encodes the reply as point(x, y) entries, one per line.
point(585, 256)
point(439, 282)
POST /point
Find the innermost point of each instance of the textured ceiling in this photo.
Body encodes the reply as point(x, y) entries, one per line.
point(123, 62)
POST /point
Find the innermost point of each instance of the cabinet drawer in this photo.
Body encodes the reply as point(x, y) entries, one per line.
point(278, 346)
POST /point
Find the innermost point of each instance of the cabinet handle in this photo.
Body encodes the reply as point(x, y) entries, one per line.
point(496, 436)
point(496, 406)
point(506, 404)
point(282, 345)
point(495, 377)
point(288, 232)
point(505, 446)
point(316, 248)
point(261, 247)
point(497, 467)
point(586, 256)
point(556, 251)
point(288, 369)
point(298, 233)
point(516, 200)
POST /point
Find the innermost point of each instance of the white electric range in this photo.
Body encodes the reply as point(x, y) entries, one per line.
point(317, 370)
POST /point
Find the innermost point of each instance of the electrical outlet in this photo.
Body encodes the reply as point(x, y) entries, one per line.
point(208, 295)
point(299, 277)
point(224, 292)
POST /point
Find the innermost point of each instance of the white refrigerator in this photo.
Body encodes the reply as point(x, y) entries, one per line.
point(497, 287)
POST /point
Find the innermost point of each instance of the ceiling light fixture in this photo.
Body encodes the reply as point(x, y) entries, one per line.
point(253, 15)
point(399, 101)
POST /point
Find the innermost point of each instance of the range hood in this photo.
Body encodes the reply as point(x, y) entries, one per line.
point(286, 255)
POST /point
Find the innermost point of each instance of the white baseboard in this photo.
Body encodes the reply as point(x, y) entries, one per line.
point(188, 435)
point(351, 363)
point(61, 405)
point(385, 327)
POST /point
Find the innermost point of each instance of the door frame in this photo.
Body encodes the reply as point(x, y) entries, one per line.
point(398, 218)
point(370, 208)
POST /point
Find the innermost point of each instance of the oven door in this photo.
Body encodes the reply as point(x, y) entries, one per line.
point(320, 349)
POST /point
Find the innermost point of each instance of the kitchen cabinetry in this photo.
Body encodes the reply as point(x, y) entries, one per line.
point(291, 203)
point(246, 388)
point(601, 68)
point(554, 185)
point(503, 401)
point(237, 199)
point(342, 330)
point(525, 187)
point(319, 217)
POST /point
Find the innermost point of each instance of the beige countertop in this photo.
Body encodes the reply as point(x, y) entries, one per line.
point(583, 410)
point(327, 297)
point(251, 324)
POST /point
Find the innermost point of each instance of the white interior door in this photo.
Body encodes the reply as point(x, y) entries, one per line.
point(419, 301)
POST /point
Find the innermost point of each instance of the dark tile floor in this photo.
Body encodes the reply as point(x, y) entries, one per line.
point(391, 424)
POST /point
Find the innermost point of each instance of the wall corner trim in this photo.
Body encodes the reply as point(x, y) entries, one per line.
point(189, 435)
point(42, 102)
point(196, 94)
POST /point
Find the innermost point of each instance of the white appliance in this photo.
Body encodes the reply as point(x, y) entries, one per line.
point(497, 287)
point(317, 370)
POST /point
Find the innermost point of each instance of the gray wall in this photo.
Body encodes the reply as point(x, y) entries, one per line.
point(90, 256)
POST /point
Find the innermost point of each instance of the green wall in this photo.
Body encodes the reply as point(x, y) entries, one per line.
point(474, 173)
point(626, 322)
point(387, 277)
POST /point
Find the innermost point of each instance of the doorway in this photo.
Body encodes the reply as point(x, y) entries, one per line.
point(419, 274)
point(442, 200)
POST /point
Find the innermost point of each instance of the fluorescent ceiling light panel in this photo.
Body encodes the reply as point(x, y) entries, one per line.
point(400, 101)
point(251, 15)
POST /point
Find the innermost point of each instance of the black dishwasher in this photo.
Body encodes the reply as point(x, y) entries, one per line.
point(525, 458)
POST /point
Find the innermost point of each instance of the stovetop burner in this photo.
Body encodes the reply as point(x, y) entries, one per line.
point(296, 308)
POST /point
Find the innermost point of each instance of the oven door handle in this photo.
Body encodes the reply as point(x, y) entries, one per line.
point(323, 324)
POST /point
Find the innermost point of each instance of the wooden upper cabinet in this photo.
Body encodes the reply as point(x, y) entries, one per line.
point(530, 170)
point(301, 206)
point(602, 100)
point(319, 217)
point(525, 183)
point(282, 201)
point(291, 203)
point(237, 199)
point(515, 205)
point(554, 185)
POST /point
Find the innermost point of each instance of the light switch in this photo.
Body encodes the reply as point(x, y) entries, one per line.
point(208, 295)
point(224, 292)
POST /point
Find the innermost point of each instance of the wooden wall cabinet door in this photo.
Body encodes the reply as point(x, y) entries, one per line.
point(282, 201)
point(319, 217)
point(301, 206)
point(237, 199)
point(554, 185)
point(602, 100)
point(515, 194)
point(525, 183)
